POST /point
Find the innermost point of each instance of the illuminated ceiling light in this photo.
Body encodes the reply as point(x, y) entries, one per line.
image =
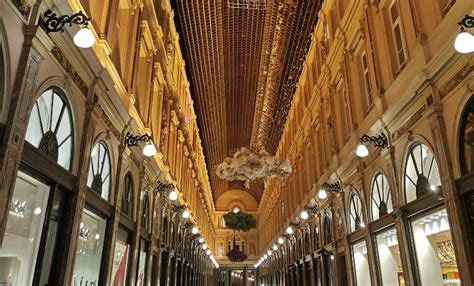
point(173, 195)
point(464, 42)
point(281, 240)
point(275, 247)
point(265, 256)
point(37, 211)
point(194, 230)
point(322, 194)
point(208, 252)
point(97, 236)
point(236, 209)
point(186, 214)
point(201, 240)
point(149, 150)
point(289, 230)
point(304, 215)
point(362, 151)
point(269, 252)
point(204, 246)
point(84, 38)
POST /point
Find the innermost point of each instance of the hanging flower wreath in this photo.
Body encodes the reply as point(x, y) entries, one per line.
point(235, 255)
point(238, 221)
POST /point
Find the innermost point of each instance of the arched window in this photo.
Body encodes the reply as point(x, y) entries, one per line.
point(327, 229)
point(127, 196)
point(50, 128)
point(421, 172)
point(355, 213)
point(145, 210)
point(380, 197)
point(99, 170)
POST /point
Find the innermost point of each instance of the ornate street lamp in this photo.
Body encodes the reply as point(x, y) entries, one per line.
point(379, 141)
point(464, 42)
point(132, 140)
point(332, 187)
point(53, 23)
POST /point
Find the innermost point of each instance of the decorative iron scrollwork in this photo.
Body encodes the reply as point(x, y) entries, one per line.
point(54, 23)
point(466, 22)
point(163, 187)
point(378, 140)
point(133, 140)
point(333, 187)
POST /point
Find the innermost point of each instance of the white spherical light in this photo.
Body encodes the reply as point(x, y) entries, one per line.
point(362, 151)
point(281, 240)
point(322, 194)
point(149, 150)
point(289, 230)
point(304, 215)
point(186, 214)
point(84, 38)
point(194, 230)
point(464, 43)
point(173, 195)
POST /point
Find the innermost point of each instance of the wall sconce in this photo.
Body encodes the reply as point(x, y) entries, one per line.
point(53, 23)
point(131, 140)
point(333, 187)
point(183, 209)
point(304, 215)
point(464, 42)
point(379, 141)
point(292, 227)
point(163, 187)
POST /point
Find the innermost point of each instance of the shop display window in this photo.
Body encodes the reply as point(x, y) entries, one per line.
point(329, 271)
point(141, 275)
point(89, 249)
point(26, 216)
point(389, 261)
point(360, 263)
point(121, 256)
point(435, 250)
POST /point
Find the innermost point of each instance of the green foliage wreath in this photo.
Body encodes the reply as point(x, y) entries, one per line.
point(240, 221)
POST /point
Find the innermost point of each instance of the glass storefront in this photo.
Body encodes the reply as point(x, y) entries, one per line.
point(361, 264)
point(89, 249)
point(142, 263)
point(23, 231)
point(388, 252)
point(435, 250)
point(121, 254)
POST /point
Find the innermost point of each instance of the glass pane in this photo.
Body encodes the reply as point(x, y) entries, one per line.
point(44, 105)
point(361, 264)
point(121, 254)
point(33, 132)
point(23, 232)
point(435, 250)
point(389, 258)
point(57, 104)
point(89, 249)
point(142, 263)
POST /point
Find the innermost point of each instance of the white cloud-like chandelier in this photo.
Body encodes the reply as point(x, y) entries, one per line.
point(246, 165)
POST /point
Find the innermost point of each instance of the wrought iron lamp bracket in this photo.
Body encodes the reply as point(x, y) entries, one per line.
point(311, 209)
point(133, 140)
point(163, 187)
point(379, 141)
point(54, 23)
point(333, 187)
point(177, 208)
point(466, 22)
